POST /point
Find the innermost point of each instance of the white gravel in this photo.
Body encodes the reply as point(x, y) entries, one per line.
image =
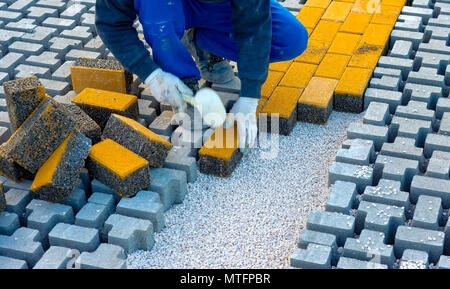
point(254, 218)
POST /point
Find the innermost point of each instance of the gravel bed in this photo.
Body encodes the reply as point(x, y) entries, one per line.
point(253, 219)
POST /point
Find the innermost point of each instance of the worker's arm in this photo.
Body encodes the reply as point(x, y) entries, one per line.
point(252, 26)
point(114, 21)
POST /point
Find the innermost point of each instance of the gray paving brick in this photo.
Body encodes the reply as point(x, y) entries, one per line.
point(378, 134)
point(66, 98)
point(349, 263)
point(433, 60)
point(24, 185)
point(171, 185)
point(144, 205)
point(41, 13)
point(392, 98)
point(63, 72)
point(342, 197)
point(107, 256)
point(74, 11)
point(436, 142)
point(146, 112)
point(419, 239)
point(356, 152)
point(20, 5)
point(435, 46)
point(410, 128)
point(88, 19)
point(340, 225)
point(180, 158)
point(79, 32)
point(404, 148)
point(184, 137)
point(426, 76)
point(409, 23)
point(421, 3)
point(54, 87)
point(436, 32)
point(3, 77)
point(444, 262)
point(379, 217)
point(40, 35)
point(16, 201)
point(45, 59)
point(387, 192)
point(74, 54)
point(74, 237)
point(428, 213)
point(11, 263)
point(4, 119)
point(425, 93)
point(23, 245)
point(24, 25)
point(129, 233)
point(43, 216)
point(76, 200)
point(106, 200)
point(413, 259)
point(9, 223)
point(442, 105)
point(55, 258)
point(162, 125)
point(401, 48)
point(362, 176)
point(96, 44)
point(397, 169)
point(377, 113)
point(386, 82)
point(370, 246)
point(444, 127)
point(98, 187)
point(59, 23)
point(413, 37)
point(442, 8)
point(439, 165)
point(10, 61)
point(422, 185)
point(417, 110)
point(425, 13)
point(313, 257)
point(56, 4)
point(7, 16)
point(63, 45)
point(380, 71)
point(23, 70)
point(405, 65)
point(8, 36)
point(92, 216)
point(441, 20)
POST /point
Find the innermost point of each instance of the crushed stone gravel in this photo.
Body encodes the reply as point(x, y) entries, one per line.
point(254, 218)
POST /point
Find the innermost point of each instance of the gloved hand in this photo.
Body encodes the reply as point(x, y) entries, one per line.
point(166, 87)
point(244, 113)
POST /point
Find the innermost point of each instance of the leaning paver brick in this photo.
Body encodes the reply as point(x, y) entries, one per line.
point(420, 239)
point(356, 23)
point(85, 124)
point(298, 75)
point(315, 256)
point(362, 176)
point(129, 233)
point(349, 263)
point(282, 107)
point(316, 102)
point(145, 205)
point(16, 201)
point(59, 174)
point(413, 259)
point(171, 185)
point(377, 113)
point(179, 158)
point(422, 185)
point(220, 154)
point(40, 134)
point(368, 247)
point(387, 192)
point(137, 138)
point(23, 245)
point(100, 74)
point(107, 256)
point(315, 52)
point(392, 98)
point(100, 104)
point(342, 197)
point(9, 223)
point(397, 169)
point(435, 142)
point(340, 225)
point(92, 216)
point(11, 263)
point(378, 134)
point(74, 237)
point(123, 171)
point(349, 92)
point(425, 93)
point(357, 152)
point(379, 217)
point(428, 213)
point(22, 97)
point(55, 258)
point(405, 148)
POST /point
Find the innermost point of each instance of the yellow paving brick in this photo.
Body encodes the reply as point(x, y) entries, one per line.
point(332, 65)
point(386, 14)
point(298, 75)
point(281, 66)
point(356, 23)
point(283, 101)
point(325, 30)
point(319, 92)
point(310, 16)
point(273, 78)
point(337, 11)
point(314, 53)
point(317, 3)
point(366, 56)
point(399, 3)
point(107, 79)
point(365, 6)
point(354, 81)
point(107, 99)
point(376, 34)
point(344, 43)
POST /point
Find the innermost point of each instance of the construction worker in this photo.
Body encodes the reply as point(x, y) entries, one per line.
point(249, 32)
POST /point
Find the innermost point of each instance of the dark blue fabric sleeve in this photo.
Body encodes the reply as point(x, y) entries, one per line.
point(114, 22)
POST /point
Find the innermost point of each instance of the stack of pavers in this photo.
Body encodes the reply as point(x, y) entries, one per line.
point(389, 201)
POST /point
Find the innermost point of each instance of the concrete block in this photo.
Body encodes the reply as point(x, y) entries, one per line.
point(11, 263)
point(444, 262)
point(92, 215)
point(401, 48)
point(433, 187)
point(79, 32)
point(145, 205)
point(85, 124)
point(442, 20)
point(9, 223)
point(146, 112)
point(23, 245)
point(342, 197)
point(431, 242)
point(129, 233)
point(435, 46)
point(63, 45)
point(313, 257)
point(106, 200)
point(439, 165)
point(55, 258)
point(380, 71)
point(55, 4)
point(8, 36)
point(378, 134)
point(413, 259)
point(55, 87)
point(163, 124)
point(99, 187)
point(41, 13)
point(63, 72)
point(88, 19)
point(59, 23)
point(171, 185)
point(46, 59)
point(392, 98)
point(96, 45)
point(23, 25)
point(40, 35)
point(10, 16)
point(413, 37)
point(16, 201)
point(377, 113)
point(74, 11)
point(23, 70)
point(397, 169)
point(387, 192)
point(426, 76)
point(362, 176)
point(436, 142)
point(409, 23)
point(444, 127)
point(437, 32)
point(74, 237)
point(404, 148)
point(349, 263)
point(26, 48)
point(442, 106)
point(417, 110)
point(386, 82)
point(179, 158)
point(425, 93)
point(428, 213)
point(106, 256)
point(340, 225)
point(405, 65)
point(433, 60)
point(76, 199)
point(356, 152)
point(424, 13)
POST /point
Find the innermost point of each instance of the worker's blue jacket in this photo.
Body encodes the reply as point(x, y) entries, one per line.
point(250, 32)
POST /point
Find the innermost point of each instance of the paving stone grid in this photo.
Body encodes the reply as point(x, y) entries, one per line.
point(391, 171)
point(390, 188)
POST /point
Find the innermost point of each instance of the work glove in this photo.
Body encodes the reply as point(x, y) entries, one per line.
point(244, 113)
point(166, 87)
